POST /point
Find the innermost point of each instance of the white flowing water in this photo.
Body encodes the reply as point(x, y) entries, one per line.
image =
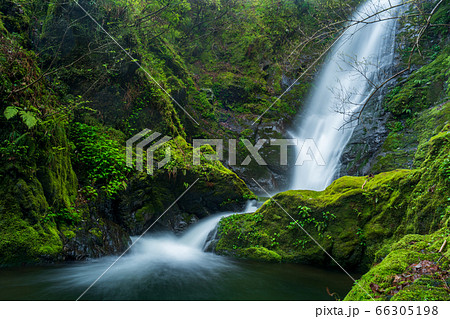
point(158, 252)
point(361, 56)
point(168, 267)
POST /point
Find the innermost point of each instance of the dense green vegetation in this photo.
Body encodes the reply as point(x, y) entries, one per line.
point(71, 97)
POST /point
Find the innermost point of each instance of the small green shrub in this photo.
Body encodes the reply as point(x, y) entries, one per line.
point(100, 161)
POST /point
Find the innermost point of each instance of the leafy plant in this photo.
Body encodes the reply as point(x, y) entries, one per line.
point(28, 117)
point(319, 225)
point(362, 238)
point(65, 215)
point(445, 169)
point(100, 161)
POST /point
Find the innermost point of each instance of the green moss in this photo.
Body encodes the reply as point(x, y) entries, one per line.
point(370, 213)
point(422, 292)
point(423, 88)
point(407, 148)
point(261, 254)
point(409, 250)
point(2, 27)
point(96, 232)
point(214, 177)
point(69, 234)
point(21, 242)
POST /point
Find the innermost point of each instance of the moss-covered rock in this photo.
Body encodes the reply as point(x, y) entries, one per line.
point(344, 219)
point(352, 219)
point(401, 276)
point(261, 254)
point(147, 196)
point(403, 147)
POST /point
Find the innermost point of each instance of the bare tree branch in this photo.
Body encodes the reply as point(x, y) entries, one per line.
point(416, 47)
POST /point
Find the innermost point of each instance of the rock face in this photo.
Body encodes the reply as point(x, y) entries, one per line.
point(366, 141)
point(274, 124)
point(94, 238)
point(273, 175)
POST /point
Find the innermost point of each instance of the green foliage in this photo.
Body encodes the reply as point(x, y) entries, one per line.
point(360, 234)
point(423, 88)
point(68, 216)
point(10, 112)
point(444, 169)
point(28, 118)
point(395, 126)
point(306, 219)
point(14, 150)
point(99, 160)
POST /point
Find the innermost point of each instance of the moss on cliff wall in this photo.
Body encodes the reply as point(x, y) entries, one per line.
point(60, 74)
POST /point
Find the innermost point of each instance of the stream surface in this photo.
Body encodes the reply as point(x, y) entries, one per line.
point(163, 266)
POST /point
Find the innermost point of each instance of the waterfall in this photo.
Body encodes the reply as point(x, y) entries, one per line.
point(361, 56)
point(211, 239)
point(162, 260)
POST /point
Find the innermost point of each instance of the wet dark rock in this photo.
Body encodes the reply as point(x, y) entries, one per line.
point(368, 137)
point(96, 238)
point(147, 198)
point(273, 176)
point(211, 240)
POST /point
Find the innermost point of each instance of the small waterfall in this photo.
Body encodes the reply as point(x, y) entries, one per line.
point(211, 239)
point(363, 54)
point(158, 259)
point(193, 241)
point(197, 235)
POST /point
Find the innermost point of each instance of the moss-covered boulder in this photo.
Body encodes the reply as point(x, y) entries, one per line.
point(22, 237)
point(216, 189)
point(344, 219)
point(28, 196)
point(353, 218)
point(414, 269)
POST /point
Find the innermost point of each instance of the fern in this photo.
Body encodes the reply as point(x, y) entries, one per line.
point(28, 118)
point(10, 112)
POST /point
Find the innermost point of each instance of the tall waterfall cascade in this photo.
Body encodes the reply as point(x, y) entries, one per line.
point(359, 59)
